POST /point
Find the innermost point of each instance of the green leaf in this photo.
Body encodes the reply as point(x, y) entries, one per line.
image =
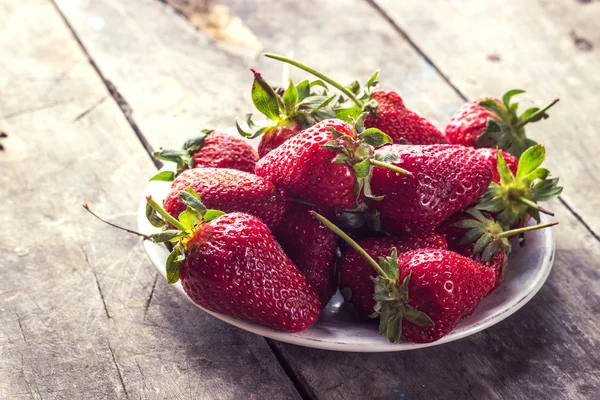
point(394, 328)
point(303, 89)
point(191, 199)
point(318, 82)
point(290, 98)
point(341, 159)
point(153, 217)
point(323, 104)
point(467, 223)
point(363, 168)
point(167, 235)
point(530, 160)
point(490, 251)
point(483, 241)
point(372, 80)
point(546, 190)
point(348, 113)
point(477, 215)
point(354, 87)
point(195, 143)
point(390, 266)
point(493, 106)
point(189, 219)
point(265, 99)
point(538, 173)
point(528, 113)
point(367, 189)
point(174, 155)
point(417, 317)
point(471, 236)
point(165, 176)
point(493, 205)
point(173, 261)
point(375, 137)
point(509, 95)
point(506, 176)
point(212, 214)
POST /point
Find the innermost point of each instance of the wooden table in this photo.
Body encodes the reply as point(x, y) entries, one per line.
point(88, 88)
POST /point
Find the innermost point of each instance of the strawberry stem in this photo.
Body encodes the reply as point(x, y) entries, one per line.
point(534, 205)
point(163, 213)
point(87, 207)
point(350, 241)
point(518, 231)
point(317, 74)
point(390, 167)
point(536, 114)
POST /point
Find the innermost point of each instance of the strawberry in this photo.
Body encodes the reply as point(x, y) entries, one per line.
point(386, 109)
point(422, 294)
point(311, 246)
point(231, 264)
point(329, 164)
point(355, 272)
point(289, 113)
point(514, 198)
point(479, 237)
point(229, 190)
point(208, 149)
point(401, 124)
point(447, 179)
point(512, 162)
point(491, 122)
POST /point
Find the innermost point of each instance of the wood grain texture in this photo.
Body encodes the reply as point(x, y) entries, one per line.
point(176, 81)
point(82, 314)
point(550, 48)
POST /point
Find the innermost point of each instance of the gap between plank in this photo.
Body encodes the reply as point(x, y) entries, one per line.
point(117, 97)
point(437, 69)
point(303, 390)
point(299, 382)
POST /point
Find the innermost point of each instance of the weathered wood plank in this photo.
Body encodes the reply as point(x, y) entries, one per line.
point(165, 59)
point(551, 48)
point(177, 80)
point(75, 320)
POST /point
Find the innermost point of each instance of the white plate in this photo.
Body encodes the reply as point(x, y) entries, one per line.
point(337, 328)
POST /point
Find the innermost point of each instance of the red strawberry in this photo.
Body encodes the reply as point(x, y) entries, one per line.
point(311, 246)
point(229, 190)
point(297, 108)
point(234, 266)
point(231, 264)
point(209, 149)
point(512, 162)
point(276, 136)
point(448, 178)
point(477, 236)
point(400, 123)
point(445, 286)
point(422, 294)
point(355, 272)
point(387, 111)
point(515, 197)
point(491, 122)
point(328, 165)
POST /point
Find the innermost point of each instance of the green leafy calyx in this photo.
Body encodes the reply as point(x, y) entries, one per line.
point(506, 129)
point(183, 158)
point(186, 226)
point(305, 103)
point(358, 152)
point(391, 296)
point(516, 196)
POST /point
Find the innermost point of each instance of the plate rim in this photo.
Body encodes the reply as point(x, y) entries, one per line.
point(153, 249)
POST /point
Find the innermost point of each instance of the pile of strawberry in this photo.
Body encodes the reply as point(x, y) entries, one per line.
point(425, 216)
